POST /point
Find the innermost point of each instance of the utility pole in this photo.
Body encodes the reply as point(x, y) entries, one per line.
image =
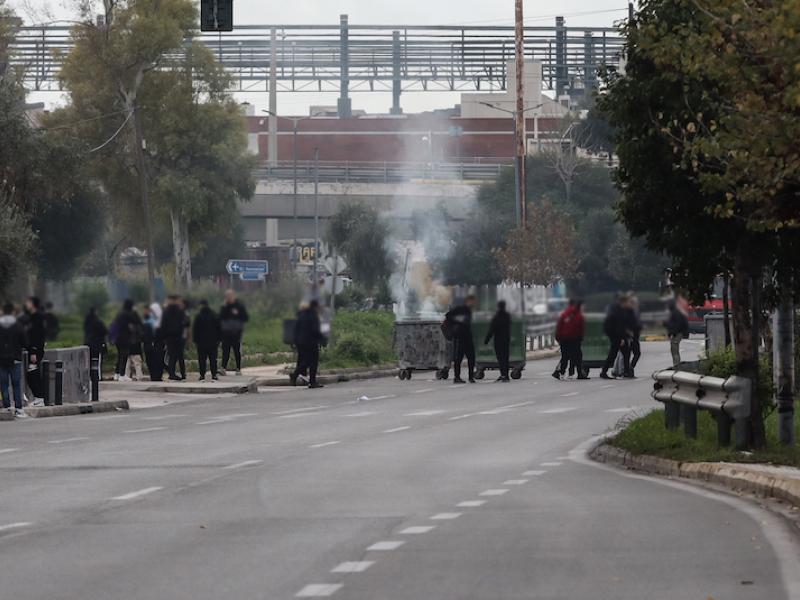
point(272, 138)
point(519, 117)
point(145, 196)
point(316, 221)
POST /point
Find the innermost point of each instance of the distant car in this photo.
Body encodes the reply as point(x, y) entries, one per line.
point(697, 314)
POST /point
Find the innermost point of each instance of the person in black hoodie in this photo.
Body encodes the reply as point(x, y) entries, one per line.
point(36, 331)
point(206, 335)
point(459, 322)
point(618, 327)
point(94, 334)
point(171, 332)
point(500, 330)
point(232, 316)
point(127, 328)
point(12, 344)
point(307, 339)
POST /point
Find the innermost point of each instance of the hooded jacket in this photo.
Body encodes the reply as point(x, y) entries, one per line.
point(206, 329)
point(571, 324)
point(12, 340)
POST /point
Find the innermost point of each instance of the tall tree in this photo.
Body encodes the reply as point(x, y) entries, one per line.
point(360, 235)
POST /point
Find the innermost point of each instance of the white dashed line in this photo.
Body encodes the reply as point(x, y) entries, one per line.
point(364, 413)
point(493, 493)
point(300, 410)
point(471, 503)
point(423, 391)
point(145, 430)
point(534, 473)
point(396, 429)
point(319, 590)
point(137, 493)
point(8, 450)
point(353, 567)
point(325, 444)
point(550, 464)
point(570, 394)
point(448, 516)
point(226, 418)
point(516, 481)
point(623, 409)
point(426, 413)
point(556, 411)
point(520, 405)
point(494, 411)
point(68, 440)
point(417, 529)
point(605, 387)
point(246, 463)
point(459, 417)
point(11, 526)
point(163, 417)
point(385, 546)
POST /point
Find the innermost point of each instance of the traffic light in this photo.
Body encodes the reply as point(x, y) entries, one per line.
point(216, 15)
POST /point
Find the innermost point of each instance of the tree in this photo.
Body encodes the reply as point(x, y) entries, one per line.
point(541, 253)
point(358, 233)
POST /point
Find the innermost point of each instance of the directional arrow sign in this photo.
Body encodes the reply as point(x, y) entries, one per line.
point(251, 276)
point(247, 267)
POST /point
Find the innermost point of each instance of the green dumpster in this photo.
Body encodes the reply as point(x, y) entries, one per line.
point(484, 353)
point(595, 343)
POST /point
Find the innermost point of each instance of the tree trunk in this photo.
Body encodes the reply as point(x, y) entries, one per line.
point(726, 309)
point(784, 364)
point(746, 310)
point(145, 196)
point(180, 247)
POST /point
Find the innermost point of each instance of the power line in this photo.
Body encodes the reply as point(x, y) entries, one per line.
point(116, 133)
point(587, 13)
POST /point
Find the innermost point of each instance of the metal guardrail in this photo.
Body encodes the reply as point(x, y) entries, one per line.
point(684, 393)
point(541, 336)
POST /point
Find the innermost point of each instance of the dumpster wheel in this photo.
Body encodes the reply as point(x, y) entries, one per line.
point(516, 374)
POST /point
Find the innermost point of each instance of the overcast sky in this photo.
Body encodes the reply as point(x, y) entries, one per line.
point(368, 12)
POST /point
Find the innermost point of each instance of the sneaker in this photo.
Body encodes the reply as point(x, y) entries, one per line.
point(459, 380)
point(38, 402)
point(506, 379)
point(293, 379)
point(202, 379)
point(556, 375)
point(20, 414)
point(499, 379)
point(222, 372)
point(472, 380)
point(124, 378)
point(583, 377)
point(215, 378)
point(302, 380)
point(605, 375)
point(315, 386)
point(116, 376)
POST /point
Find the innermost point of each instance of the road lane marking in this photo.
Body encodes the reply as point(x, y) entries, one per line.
point(137, 493)
point(324, 444)
point(68, 440)
point(145, 430)
point(426, 413)
point(385, 546)
point(226, 418)
point(534, 473)
point(494, 411)
point(163, 417)
point(353, 567)
point(300, 410)
point(8, 450)
point(605, 387)
point(520, 405)
point(570, 394)
point(556, 411)
point(246, 463)
point(623, 409)
point(459, 417)
point(423, 391)
point(550, 464)
point(447, 516)
point(319, 590)
point(11, 526)
point(396, 429)
point(471, 503)
point(516, 481)
point(417, 529)
point(493, 492)
point(364, 413)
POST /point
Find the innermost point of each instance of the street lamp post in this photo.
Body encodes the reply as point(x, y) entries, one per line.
point(316, 220)
point(295, 121)
point(519, 167)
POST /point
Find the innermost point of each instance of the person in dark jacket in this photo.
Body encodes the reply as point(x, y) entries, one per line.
point(635, 319)
point(459, 322)
point(618, 328)
point(677, 326)
point(307, 339)
point(172, 333)
point(94, 334)
point(500, 330)
point(12, 344)
point(51, 323)
point(206, 335)
point(232, 316)
point(36, 332)
point(570, 331)
point(127, 332)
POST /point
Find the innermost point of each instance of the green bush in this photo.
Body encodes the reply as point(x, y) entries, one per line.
point(89, 294)
point(722, 363)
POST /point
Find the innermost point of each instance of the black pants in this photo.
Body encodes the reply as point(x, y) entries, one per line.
point(502, 351)
point(34, 377)
point(175, 354)
point(232, 342)
point(463, 347)
point(207, 354)
point(572, 356)
point(307, 359)
point(636, 352)
point(154, 355)
point(617, 345)
point(123, 351)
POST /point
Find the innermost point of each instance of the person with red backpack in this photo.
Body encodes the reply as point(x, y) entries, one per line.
point(570, 330)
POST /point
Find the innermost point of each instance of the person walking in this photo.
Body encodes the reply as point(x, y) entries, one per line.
point(94, 335)
point(233, 316)
point(677, 326)
point(307, 339)
point(121, 336)
point(500, 330)
point(616, 329)
point(133, 366)
point(12, 344)
point(634, 317)
point(172, 328)
point(459, 321)
point(570, 331)
point(36, 332)
point(206, 334)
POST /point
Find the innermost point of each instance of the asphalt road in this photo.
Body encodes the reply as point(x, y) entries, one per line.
point(426, 491)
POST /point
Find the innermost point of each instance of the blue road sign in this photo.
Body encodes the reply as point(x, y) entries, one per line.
point(251, 276)
point(248, 267)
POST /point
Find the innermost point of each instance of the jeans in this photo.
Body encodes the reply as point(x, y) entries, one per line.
point(14, 376)
point(675, 349)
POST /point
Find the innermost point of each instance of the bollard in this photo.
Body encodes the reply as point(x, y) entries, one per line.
point(672, 415)
point(59, 387)
point(94, 376)
point(723, 430)
point(689, 414)
point(44, 379)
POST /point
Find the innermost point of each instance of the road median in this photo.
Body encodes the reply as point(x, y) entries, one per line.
point(83, 408)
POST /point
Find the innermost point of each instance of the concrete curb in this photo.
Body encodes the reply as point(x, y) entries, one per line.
point(342, 377)
point(736, 477)
point(84, 408)
point(200, 388)
point(4, 416)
